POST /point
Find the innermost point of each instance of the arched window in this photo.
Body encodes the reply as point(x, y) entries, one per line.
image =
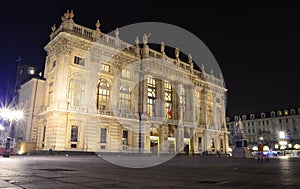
point(103, 95)
point(124, 100)
point(76, 91)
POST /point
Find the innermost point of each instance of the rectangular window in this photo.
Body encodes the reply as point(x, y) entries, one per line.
point(74, 134)
point(50, 93)
point(79, 61)
point(105, 67)
point(126, 73)
point(34, 134)
point(44, 136)
point(125, 138)
point(54, 63)
point(103, 135)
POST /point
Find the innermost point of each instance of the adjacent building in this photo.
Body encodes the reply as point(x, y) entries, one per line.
point(277, 129)
point(101, 94)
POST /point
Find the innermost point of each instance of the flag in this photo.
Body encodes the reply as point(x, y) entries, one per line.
point(170, 110)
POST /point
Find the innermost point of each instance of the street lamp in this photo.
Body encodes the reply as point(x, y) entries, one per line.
point(10, 115)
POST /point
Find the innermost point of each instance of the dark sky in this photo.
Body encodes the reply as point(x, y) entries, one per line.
point(256, 45)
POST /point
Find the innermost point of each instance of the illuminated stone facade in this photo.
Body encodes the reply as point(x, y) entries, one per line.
point(98, 98)
point(265, 128)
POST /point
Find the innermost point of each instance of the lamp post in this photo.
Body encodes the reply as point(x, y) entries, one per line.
point(10, 115)
point(282, 141)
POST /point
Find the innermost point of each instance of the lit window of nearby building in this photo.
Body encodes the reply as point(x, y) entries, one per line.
point(74, 133)
point(125, 138)
point(126, 73)
point(151, 96)
point(286, 112)
point(105, 67)
point(168, 99)
point(124, 100)
point(279, 113)
point(103, 94)
point(34, 134)
point(79, 61)
point(182, 98)
point(103, 134)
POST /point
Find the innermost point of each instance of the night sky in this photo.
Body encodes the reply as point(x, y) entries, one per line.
point(256, 45)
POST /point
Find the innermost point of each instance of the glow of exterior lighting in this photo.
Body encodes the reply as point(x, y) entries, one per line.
point(276, 146)
point(290, 145)
point(10, 115)
point(282, 147)
point(266, 148)
point(283, 157)
point(281, 134)
point(254, 148)
point(282, 143)
point(261, 138)
point(1, 127)
point(296, 146)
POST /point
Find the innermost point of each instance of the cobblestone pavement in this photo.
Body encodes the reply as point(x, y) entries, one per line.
point(91, 171)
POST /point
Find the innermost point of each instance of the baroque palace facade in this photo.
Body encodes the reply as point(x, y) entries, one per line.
point(278, 129)
point(101, 94)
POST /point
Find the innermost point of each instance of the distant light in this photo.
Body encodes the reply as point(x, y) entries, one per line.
point(40, 74)
point(31, 70)
point(254, 148)
point(281, 134)
point(276, 146)
point(296, 146)
point(266, 148)
point(1, 127)
point(290, 145)
point(282, 143)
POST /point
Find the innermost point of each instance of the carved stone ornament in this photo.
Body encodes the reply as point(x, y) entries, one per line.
point(97, 24)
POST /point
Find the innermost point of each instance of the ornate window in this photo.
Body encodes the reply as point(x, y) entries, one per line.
point(151, 95)
point(74, 133)
point(103, 134)
point(103, 95)
point(124, 100)
point(126, 73)
point(79, 61)
point(168, 99)
point(182, 98)
point(105, 67)
point(76, 93)
point(125, 138)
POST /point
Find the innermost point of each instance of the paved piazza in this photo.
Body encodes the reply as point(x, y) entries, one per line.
point(91, 171)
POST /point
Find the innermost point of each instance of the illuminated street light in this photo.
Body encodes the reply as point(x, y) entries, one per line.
point(281, 134)
point(10, 115)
